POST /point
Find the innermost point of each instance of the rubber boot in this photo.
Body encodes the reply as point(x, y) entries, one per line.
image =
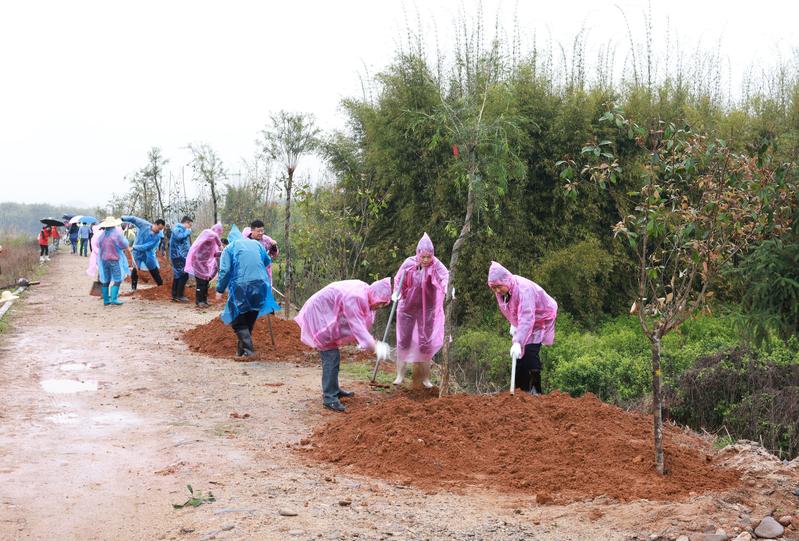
point(174, 289)
point(115, 295)
point(246, 348)
point(535, 388)
point(181, 288)
point(134, 279)
point(425, 368)
point(400, 372)
point(106, 298)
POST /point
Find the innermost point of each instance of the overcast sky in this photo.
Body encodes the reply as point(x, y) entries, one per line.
point(86, 88)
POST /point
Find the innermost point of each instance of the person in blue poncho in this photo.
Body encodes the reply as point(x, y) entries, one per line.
point(178, 250)
point(242, 271)
point(108, 260)
point(147, 239)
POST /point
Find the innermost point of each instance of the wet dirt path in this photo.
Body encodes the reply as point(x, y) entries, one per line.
point(105, 417)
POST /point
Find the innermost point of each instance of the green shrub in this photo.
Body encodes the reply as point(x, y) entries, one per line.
point(481, 360)
point(577, 276)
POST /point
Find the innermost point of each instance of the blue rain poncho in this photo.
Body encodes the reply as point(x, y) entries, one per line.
point(179, 242)
point(242, 270)
point(146, 243)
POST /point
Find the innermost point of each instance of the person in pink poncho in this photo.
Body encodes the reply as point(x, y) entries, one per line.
point(342, 313)
point(202, 262)
point(531, 313)
point(420, 287)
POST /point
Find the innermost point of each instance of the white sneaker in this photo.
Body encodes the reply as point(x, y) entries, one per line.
point(427, 383)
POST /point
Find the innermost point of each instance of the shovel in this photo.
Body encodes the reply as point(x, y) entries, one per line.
point(271, 333)
point(388, 326)
point(97, 289)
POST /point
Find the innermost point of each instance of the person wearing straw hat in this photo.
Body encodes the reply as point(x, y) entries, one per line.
point(109, 260)
point(7, 296)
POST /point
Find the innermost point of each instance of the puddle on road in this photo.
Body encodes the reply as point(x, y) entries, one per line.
point(63, 418)
point(66, 386)
point(115, 419)
point(73, 367)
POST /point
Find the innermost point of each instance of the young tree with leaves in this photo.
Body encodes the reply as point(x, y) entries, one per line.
point(697, 206)
point(286, 140)
point(208, 172)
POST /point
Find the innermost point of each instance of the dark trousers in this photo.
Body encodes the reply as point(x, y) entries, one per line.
point(528, 369)
point(331, 359)
point(42, 250)
point(156, 274)
point(201, 291)
point(84, 247)
point(245, 321)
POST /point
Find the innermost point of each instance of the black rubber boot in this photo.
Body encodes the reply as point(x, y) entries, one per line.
point(134, 279)
point(175, 289)
point(156, 274)
point(180, 288)
point(246, 348)
point(535, 388)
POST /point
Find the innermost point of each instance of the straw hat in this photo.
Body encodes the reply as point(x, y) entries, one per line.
point(110, 221)
point(7, 296)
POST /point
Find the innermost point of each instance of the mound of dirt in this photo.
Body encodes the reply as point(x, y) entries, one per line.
point(218, 340)
point(559, 448)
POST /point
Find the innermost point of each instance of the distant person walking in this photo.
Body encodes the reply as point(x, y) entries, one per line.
point(84, 233)
point(44, 241)
point(55, 236)
point(73, 237)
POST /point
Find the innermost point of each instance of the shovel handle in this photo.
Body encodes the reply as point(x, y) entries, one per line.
point(513, 376)
point(388, 326)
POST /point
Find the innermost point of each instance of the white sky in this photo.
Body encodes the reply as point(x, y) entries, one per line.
point(86, 88)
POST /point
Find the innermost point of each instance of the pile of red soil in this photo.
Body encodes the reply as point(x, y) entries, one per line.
point(556, 447)
point(218, 340)
point(164, 292)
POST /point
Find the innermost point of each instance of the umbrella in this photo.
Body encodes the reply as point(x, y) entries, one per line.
point(52, 221)
point(67, 216)
point(83, 219)
point(75, 219)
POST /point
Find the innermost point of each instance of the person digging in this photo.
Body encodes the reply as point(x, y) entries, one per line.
point(342, 313)
point(242, 271)
point(202, 262)
point(420, 287)
point(148, 237)
point(108, 259)
point(531, 313)
point(179, 244)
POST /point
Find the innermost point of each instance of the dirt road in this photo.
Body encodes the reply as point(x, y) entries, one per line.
point(106, 417)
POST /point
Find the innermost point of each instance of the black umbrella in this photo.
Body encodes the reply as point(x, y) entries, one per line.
point(52, 221)
point(67, 216)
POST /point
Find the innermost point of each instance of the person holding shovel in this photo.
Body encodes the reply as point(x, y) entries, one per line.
point(179, 245)
point(256, 232)
point(148, 237)
point(420, 286)
point(531, 313)
point(108, 259)
point(242, 271)
point(202, 262)
point(342, 313)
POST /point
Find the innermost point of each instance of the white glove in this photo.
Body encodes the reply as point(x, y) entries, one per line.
point(453, 292)
point(395, 296)
point(516, 351)
point(382, 351)
point(512, 330)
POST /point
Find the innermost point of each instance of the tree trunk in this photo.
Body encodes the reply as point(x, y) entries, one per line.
point(157, 184)
point(212, 183)
point(287, 248)
point(450, 301)
point(657, 405)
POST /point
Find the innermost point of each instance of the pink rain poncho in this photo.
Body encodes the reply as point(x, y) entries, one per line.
point(340, 314)
point(420, 311)
point(267, 242)
point(94, 268)
point(202, 260)
point(526, 306)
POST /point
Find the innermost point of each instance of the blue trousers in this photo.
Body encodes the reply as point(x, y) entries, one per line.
point(331, 359)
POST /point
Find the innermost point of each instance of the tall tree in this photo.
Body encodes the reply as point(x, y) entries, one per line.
point(153, 175)
point(208, 172)
point(477, 118)
point(286, 140)
point(698, 205)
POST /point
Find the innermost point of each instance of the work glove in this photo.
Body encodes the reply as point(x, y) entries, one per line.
point(396, 296)
point(516, 351)
point(382, 350)
point(512, 330)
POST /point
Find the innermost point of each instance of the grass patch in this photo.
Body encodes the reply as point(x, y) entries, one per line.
point(363, 372)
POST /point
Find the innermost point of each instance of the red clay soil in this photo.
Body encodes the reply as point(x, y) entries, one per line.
point(216, 339)
point(559, 448)
point(164, 292)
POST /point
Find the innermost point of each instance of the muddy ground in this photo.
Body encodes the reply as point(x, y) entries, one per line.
point(105, 417)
